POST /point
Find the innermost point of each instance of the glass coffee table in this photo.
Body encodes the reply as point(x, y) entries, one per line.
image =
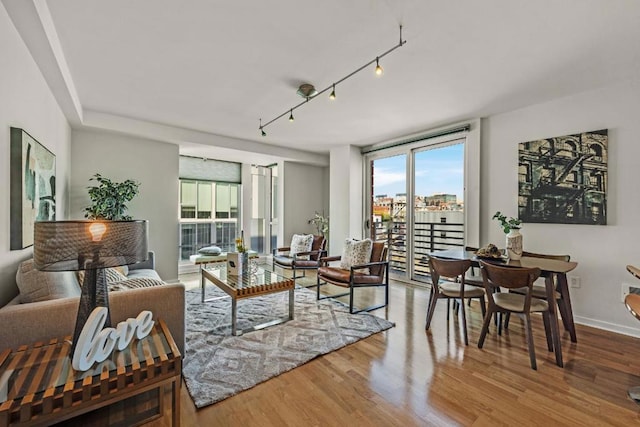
point(259, 280)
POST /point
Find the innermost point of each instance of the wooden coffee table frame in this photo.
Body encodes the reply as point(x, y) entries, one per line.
point(241, 287)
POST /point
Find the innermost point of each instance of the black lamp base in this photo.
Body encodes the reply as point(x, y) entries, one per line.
point(94, 294)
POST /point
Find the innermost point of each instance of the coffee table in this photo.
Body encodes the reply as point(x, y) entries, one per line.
point(259, 281)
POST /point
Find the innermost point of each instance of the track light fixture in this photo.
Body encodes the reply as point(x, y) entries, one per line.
point(333, 93)
point(308, 92)
point(379, 70)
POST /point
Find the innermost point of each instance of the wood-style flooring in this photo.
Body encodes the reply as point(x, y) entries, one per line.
point(407, 376)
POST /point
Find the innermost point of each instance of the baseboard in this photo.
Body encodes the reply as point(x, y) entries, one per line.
point(611, 327)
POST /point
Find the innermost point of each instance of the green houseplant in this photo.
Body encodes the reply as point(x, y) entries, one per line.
point(507, 224)
point(109, 199)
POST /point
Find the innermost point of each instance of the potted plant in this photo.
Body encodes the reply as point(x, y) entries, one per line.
point(321, 223)
point(511, 227)
point(109, 198)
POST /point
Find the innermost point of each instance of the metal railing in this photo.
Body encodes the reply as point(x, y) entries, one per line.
point(429, 237)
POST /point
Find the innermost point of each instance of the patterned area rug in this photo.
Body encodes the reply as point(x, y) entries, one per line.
point(219, 365)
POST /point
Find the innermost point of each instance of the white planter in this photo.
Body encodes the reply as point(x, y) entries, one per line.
point(514, 244)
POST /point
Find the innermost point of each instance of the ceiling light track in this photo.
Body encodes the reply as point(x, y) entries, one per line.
point(378, 71)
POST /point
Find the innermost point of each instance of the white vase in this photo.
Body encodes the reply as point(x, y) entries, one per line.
point(514, 244)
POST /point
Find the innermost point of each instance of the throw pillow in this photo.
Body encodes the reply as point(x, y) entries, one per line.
point(139, 282)
point(356, 252)
point(300, 243)
point(113, 274)
point(36, 285)
point(210, 250)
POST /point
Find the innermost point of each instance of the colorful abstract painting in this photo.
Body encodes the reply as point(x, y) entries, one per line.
point(33, 187)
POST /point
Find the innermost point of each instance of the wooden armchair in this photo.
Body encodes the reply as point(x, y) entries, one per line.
point(301, 261)
point(356, 276)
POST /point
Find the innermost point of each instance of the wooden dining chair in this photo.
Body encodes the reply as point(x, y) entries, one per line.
point(509, 302)
point(540, 291)
point(455, 288)
point(632, 302)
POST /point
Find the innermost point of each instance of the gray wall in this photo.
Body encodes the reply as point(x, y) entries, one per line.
point(304, 192)
point(27, 103)
point(154, 164)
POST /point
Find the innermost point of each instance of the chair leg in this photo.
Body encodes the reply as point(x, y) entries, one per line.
point(431, 307)
point(351, 299)
point(507, 316)
point(547, 330)
point(483, 307)
point(448, 308)
point(485, 327)
point(499, 316)
point(464, 322)
point(532, 349)
point(318, 286)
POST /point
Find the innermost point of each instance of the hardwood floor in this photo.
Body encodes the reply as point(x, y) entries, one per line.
point(407, 376)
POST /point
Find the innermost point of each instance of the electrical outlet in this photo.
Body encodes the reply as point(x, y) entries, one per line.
point(574, 281)
point(629, 289)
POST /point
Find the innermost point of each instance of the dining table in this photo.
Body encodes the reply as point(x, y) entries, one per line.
point(550, 269)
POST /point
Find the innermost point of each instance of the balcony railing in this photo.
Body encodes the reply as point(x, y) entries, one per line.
point(429, 237)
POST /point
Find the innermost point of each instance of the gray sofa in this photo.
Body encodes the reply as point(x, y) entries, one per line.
point(26, 323)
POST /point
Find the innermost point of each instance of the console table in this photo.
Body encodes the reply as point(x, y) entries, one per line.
point(38, 386)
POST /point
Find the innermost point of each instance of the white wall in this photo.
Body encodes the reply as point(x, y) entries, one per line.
point(602, 252)
point(154, 164)
point(26, 102)
point(304, 193)
point(346, 201)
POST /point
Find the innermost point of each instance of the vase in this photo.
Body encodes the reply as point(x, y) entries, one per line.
point(236, 262)
point(514, 244)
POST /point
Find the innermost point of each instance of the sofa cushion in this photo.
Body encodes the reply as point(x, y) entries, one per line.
point(300, 243)
point(139, 282)
point(112, 274)
point(36, 285)
point(356, 252)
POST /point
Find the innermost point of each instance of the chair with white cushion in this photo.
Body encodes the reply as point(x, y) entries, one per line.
point(302, 254)
point(363, 264)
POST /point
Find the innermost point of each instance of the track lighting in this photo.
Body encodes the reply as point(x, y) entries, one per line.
point(379, 69)
point(309, 92)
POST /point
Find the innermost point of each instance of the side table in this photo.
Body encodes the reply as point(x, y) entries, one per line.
point(38, 386)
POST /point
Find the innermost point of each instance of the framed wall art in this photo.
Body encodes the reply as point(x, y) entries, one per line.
point(564, 179)
point(33, 187)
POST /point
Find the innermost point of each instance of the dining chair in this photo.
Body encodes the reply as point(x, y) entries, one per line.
point(509, 302)
point(454, 288)
point(540, 291)
point(632, 302)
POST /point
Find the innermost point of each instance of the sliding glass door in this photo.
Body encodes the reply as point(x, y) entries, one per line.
point(416, 202)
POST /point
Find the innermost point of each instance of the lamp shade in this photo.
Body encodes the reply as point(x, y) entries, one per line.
point(76, 245)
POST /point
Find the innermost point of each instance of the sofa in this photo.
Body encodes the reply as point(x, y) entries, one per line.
point(34, 316)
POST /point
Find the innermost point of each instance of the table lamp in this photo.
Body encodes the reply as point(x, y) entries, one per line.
point(91, 246)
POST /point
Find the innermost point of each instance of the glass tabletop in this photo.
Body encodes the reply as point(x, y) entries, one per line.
point(256, 275)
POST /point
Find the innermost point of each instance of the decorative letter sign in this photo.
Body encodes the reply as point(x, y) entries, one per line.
point(95, 344)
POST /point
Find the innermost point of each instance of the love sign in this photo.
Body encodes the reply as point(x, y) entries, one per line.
point(96, 342)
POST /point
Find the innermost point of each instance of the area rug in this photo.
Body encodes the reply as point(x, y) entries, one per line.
point(218, 365)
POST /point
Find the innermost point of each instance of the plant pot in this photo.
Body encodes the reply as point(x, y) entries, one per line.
point(514, 244)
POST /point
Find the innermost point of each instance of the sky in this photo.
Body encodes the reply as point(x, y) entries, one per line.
point(439, 170)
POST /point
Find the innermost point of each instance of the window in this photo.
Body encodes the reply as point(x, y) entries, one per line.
point(208, 215)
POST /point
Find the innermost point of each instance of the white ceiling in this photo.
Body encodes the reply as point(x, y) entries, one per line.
point(211, 67)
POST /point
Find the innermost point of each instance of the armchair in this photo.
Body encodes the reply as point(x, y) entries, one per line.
point(357, 276)
point(303, 261)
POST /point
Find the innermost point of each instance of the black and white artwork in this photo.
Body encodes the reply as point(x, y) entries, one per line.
point(564, 179)
point(33, 187)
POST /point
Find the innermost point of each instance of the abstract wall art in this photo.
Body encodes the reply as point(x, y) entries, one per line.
point(564, 179)
point(33, 187)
